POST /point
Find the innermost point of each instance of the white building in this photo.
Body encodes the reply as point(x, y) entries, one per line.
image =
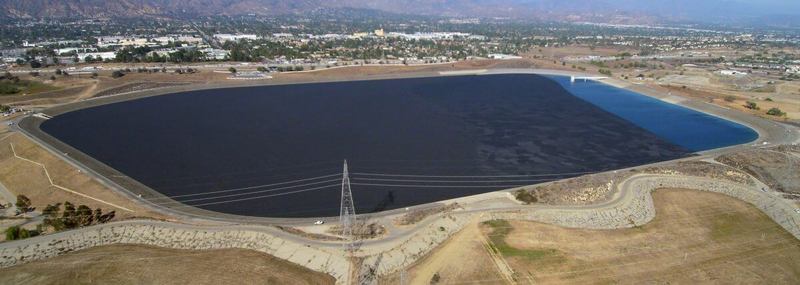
point(97, 55)
point(235, 38)
point(731, 72)
point(503, 56)
point(217, 54)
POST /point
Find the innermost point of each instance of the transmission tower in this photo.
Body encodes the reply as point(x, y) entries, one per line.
point(403, 280)
point(347, 213)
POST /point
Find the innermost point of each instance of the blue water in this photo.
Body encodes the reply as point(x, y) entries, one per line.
point(679, 125)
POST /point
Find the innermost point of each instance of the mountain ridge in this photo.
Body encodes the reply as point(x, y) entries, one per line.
point(629, 11)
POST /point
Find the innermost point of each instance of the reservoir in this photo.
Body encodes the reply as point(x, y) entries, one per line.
point(277, 151)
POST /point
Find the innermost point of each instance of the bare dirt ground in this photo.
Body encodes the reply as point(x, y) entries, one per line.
point(776, 166)
point(696, 237)
point(462, 258)
point(135, 264)
point(23, 177)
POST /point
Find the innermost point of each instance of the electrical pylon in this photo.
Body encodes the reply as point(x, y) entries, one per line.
point(347, 213)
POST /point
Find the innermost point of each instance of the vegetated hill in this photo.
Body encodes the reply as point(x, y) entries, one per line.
point(38, 9)
point(613, 11)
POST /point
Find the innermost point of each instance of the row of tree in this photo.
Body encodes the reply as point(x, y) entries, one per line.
point(72, 217)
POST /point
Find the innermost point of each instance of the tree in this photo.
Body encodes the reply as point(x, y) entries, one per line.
point(23, 203)
point(69, 216)
point(106, 217)
point(98, 214)
point(85, 216)
point(36, 64)
point(751, 105)
point(58, 71)
point(262, 69)
point(117, 74)
point(232, 70)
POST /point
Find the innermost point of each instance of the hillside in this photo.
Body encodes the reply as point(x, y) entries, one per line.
point(612, 11)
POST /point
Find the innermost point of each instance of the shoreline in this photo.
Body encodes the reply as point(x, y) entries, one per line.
point(132, 189)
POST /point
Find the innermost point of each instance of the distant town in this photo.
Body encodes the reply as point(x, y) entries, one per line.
point(301, 43)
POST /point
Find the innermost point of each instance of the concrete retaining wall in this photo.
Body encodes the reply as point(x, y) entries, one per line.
point(171, 236)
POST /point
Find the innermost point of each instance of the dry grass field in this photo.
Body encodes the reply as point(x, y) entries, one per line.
point(23, 177)
point(696, 237)
point(134, 264)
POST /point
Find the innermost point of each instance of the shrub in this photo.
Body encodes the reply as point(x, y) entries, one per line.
point(232, 70)
point(436, 278)
point(6, 88)
point(117, 74)
point(751, 105)
point(15, 233)
point(775, 112)
point(12, 233)
point(730, 98)
point(526, 197)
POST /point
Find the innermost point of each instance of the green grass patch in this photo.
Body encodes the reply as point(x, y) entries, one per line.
point(500, 230)
point(726, 225)
point(14, 87)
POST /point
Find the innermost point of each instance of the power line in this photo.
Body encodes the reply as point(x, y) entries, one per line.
point(253, 187)
point(261, 197)
point(472, 176)
point(257, 192)
point(449, 181)
point(437, 186)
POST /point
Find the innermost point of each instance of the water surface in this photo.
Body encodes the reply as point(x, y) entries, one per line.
point(277, 150)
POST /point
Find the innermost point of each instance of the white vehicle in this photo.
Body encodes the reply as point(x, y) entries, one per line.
point(319, 222)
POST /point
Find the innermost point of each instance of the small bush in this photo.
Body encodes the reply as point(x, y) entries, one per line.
point(775, 112)
point(751, 105)
point(436, 278)
point(526, 197)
